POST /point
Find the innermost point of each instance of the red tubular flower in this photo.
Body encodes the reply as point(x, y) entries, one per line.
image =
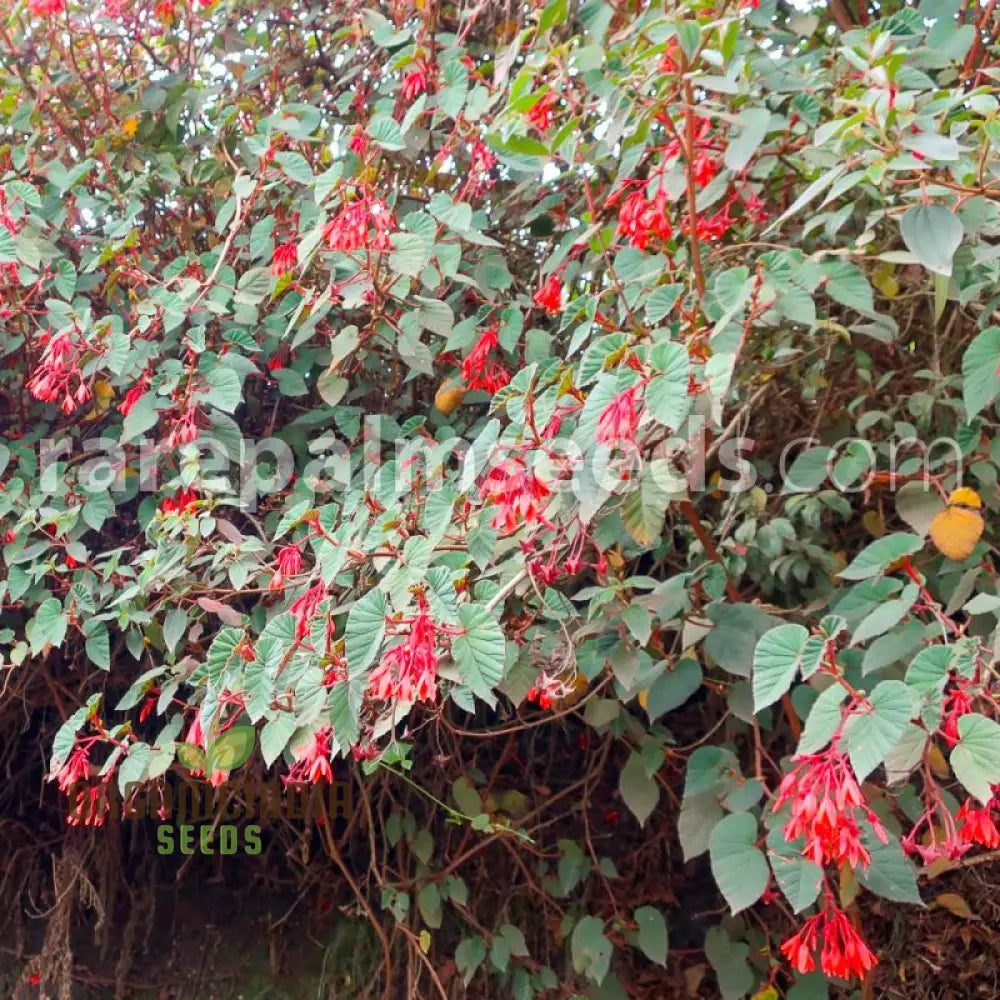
point(957, 702)
point(133, 396)
point(408, 671)
point(303, 608)
point(550, 295)
point(619, 419)
point(286, 257)
point(541, 114)
point(800, 948)
point(46, 8)
point(976, 825)
point(479, 370)
point(826, 802)
point(518, 494)
point(843, 954)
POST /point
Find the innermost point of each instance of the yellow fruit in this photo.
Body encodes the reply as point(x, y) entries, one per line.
point(449, 397)
point(874, 524)
point(956, 529)
point(884, 279)
point(103, 394)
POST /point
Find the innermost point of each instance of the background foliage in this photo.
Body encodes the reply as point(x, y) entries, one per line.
point(608, 342)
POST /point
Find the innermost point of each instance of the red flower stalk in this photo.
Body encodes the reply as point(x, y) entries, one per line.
point(479, 370)
point(843, 954)
point(518, 494)
point(619, 419)
point(550, 295)
point(826, 802)
point(713, 227)
point(286, 257)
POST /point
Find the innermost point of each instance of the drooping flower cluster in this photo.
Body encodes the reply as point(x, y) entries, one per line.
point(482, 162)
point(418, 79)
point(286, 257)
point(289, 563)
point(408, 670)
point(182, 502)
point(826, 806)
point(976, 824)
point(184, 429)
point(557, 561)
point(195, 736)
point(619, 420)
point(312, 760)
point(58, 378)
point(350, 229)
point(643, 220)
point(842, 951)
point(480, 369)
point(75, 768)
point(88, 803)
point(519, 495)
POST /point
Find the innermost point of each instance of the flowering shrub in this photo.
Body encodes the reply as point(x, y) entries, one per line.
point(387, 381)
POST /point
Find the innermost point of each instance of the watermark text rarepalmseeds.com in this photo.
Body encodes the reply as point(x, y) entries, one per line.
point(243, 471)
